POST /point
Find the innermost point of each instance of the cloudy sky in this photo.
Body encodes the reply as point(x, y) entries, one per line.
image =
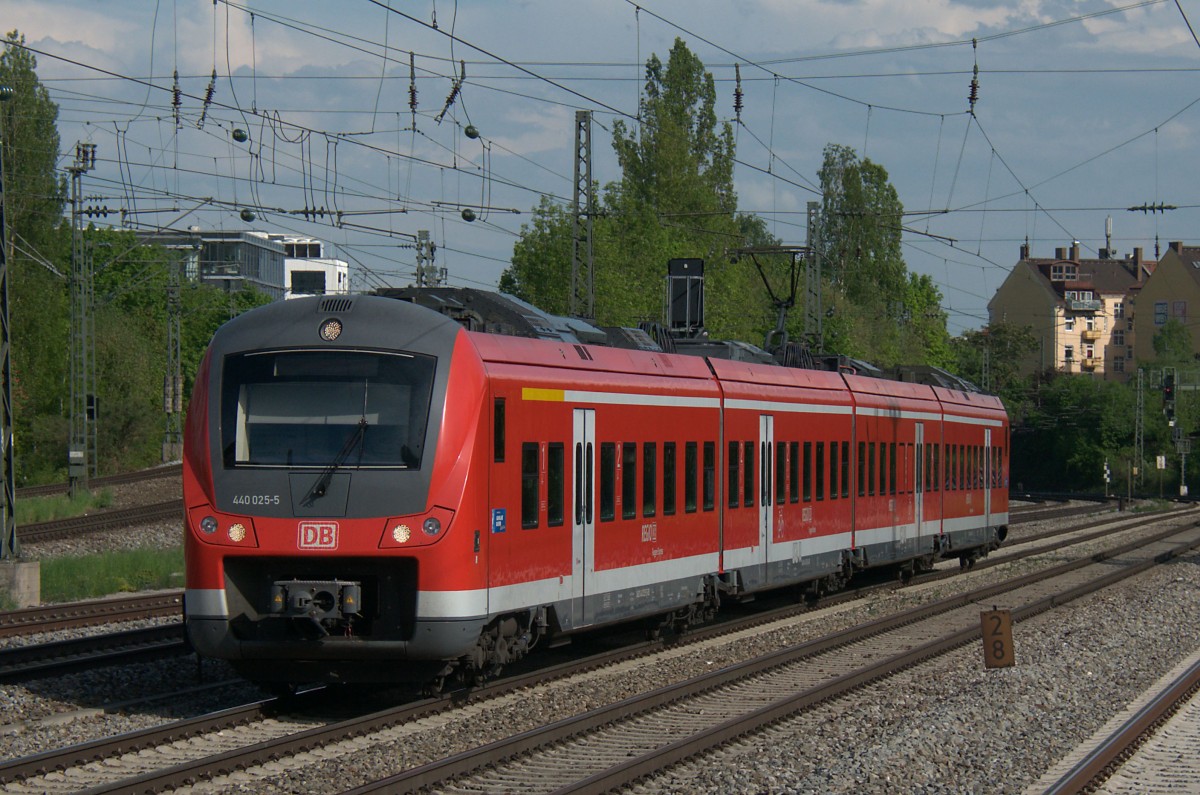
point(1084, 109)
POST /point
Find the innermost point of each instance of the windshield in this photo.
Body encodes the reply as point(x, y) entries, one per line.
point(299, 408)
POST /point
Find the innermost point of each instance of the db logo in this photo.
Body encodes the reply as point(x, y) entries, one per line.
point(318, 535)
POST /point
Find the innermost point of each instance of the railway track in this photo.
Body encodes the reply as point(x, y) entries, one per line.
point(302, 735)
point(50, 659)
point(615, 746)
point(171, 470)
point(72, 615)
point(1163, 729)
point(102, 520)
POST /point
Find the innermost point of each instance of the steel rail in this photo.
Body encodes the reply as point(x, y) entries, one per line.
point(1099, 764)
point(71, 615)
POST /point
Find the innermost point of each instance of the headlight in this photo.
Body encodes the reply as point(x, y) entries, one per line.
point(401, 533)
point(432, 526)
point(208, 525)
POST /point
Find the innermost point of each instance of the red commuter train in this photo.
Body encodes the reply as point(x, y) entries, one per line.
point(377, 491)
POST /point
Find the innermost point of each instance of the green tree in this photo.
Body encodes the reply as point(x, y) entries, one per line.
point(34, 191)
point(1173, 344)
point(675, 198)
point(860, 229)
point(34, 195)
point(1004, 345)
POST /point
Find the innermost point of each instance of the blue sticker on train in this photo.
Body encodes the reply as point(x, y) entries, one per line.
point(499, 523)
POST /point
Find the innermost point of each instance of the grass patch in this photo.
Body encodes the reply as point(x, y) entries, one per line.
point(46, 509)
point(69, 579)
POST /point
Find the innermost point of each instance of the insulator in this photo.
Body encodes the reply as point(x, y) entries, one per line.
point(168, 395)
point(737, 91)
point(177, 404)
point(412, 83)
point(208, 97)
point(177, 98)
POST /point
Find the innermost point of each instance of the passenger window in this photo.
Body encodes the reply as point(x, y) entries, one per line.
point(649, 475)
point(862, 469)
point(794, 472)
point(748, 474)
point(498, 431)
point(891, 468)
point(871, 469)
point(820, 471)
point(529, 485)
point(834, 469)
point(629, 480)
point(668, 478)
point(734, 480)
point(846, 470)
point(555, 478)
point(691, 471)
point(780, 473)
point(808, 471)
point(608, 481)
point(710, 475)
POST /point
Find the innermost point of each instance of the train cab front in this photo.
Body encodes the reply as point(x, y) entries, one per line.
point(322, 512)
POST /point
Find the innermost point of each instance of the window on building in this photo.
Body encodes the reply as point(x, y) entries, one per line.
point(1179, 310)
point(1118, 336)
point(1069, 323)
point(1118, 310)
point(1160, 313)
point(1089, 351)
point(1089, 323)
point(1069, 353)
point(1118, 364)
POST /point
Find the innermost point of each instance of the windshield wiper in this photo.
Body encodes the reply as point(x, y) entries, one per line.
point(322, 483)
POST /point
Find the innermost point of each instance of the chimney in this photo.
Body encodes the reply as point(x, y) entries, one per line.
point(1075, 251)
point(1060, 253)
point(1137, 263)
point(1024, 251)
point(1176, 246)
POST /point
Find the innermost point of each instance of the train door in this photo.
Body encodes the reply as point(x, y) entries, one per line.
point(919, 480)
point(583, 517)
point(766, 511)
point(987, 477)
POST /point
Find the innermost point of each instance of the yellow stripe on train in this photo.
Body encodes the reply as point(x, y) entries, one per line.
point(534, 393)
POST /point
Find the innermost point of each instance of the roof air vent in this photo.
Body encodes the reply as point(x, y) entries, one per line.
point(337, 304)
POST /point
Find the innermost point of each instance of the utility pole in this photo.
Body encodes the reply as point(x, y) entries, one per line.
point(814, 317)
point(81, 338)
point(428, 275)
point(1139, 428)
point(583, 289)
point(10, 549)
point(172, 447)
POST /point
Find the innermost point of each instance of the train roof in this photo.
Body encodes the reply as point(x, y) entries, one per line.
point(503, 314)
